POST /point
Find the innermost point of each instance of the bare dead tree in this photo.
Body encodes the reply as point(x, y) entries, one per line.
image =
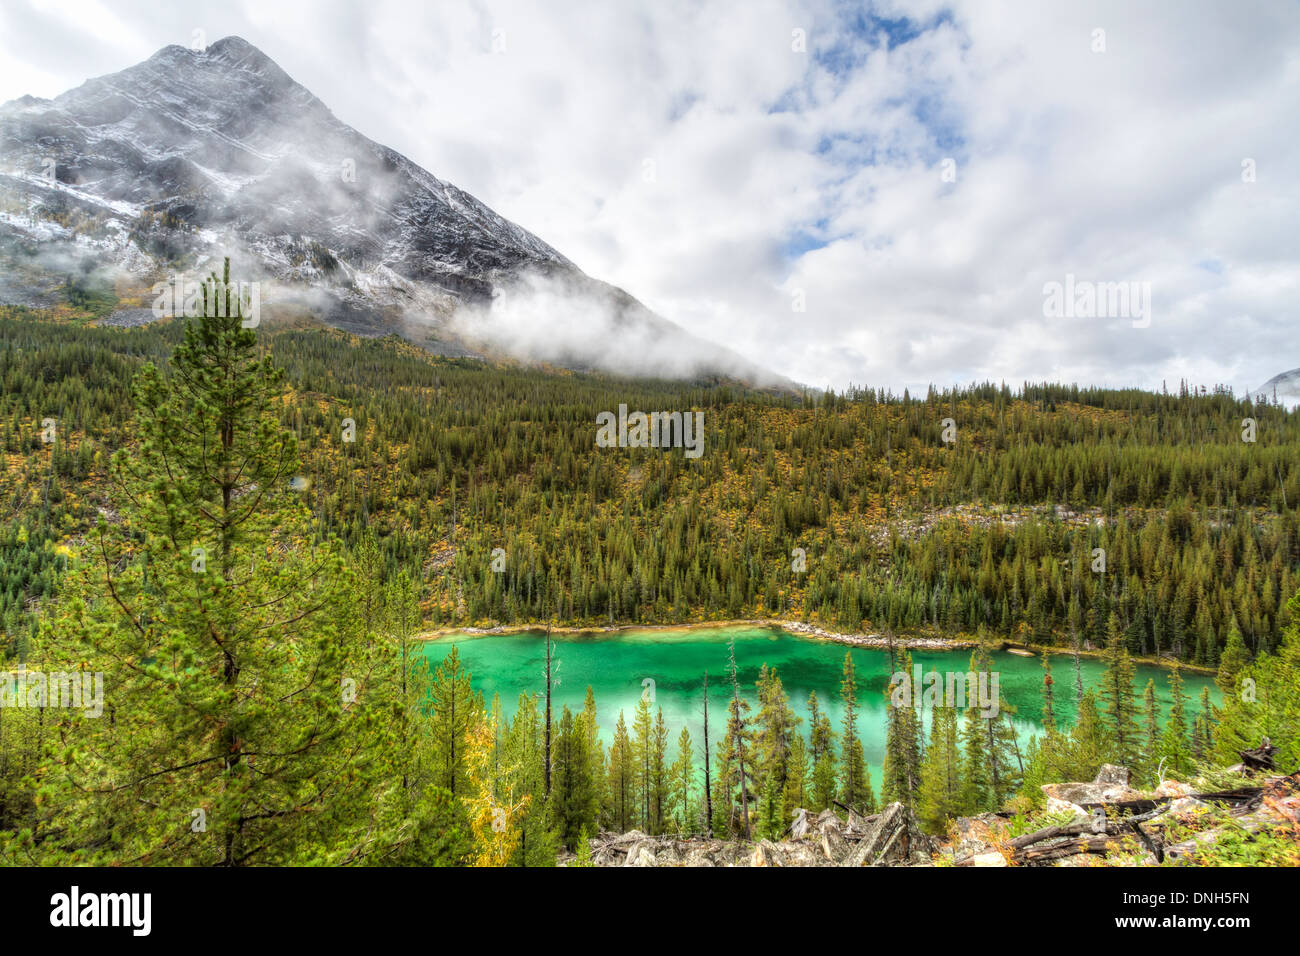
point(708, 788)
point(739, 741)
point(548, 710)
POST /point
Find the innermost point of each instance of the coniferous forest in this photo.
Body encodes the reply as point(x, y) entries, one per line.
point(249, 540)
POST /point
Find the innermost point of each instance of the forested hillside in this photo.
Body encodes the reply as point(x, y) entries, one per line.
point(242, 534)
point(448, 460)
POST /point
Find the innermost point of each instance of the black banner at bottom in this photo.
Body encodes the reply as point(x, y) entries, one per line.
point(336, 906)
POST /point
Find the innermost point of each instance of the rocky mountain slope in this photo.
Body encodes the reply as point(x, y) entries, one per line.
point(1283, 388)
point(192, 155)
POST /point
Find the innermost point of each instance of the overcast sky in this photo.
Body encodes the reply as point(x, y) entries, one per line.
point(729, 163)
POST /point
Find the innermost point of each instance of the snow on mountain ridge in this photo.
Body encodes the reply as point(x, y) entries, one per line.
point(193, 154)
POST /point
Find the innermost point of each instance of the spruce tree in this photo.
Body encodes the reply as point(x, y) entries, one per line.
point(974, 794)
point(1234, 658)
point(1049, 695)
point(1202, 729)
point(682, 776)
point(776, 735)
point(797, 792)
point(853, 773)
point(1174, 749)
point(902, 766)
point(1118, 697)
point(1150, 760)
point(660, 781)
point(621, 792)
point(1088, 745)
point(735, 764)
point(822, 754)
point(454, 708)
point(233, 733)
point(573, 791)
point(595, 750)
point(940, 772)
point(643, 754)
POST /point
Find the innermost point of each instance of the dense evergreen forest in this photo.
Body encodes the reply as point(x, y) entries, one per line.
point(451, 459)
point(247, 531)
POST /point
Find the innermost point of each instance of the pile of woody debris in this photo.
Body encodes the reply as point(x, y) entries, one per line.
point(1104, 820)
point(889, 838)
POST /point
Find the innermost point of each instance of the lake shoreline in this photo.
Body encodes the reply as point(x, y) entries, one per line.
point(793, 627)
point(811, 630)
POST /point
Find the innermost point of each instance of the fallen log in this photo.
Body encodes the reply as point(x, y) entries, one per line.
point(1111, 827)
point(1089, 844)
point(1245, 796)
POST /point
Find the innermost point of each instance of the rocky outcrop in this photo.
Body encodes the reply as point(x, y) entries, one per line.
point(1102, 820)
point(1111, 786)
point(1107, 820)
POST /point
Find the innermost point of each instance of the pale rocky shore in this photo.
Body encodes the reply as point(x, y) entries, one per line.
point(793, 627)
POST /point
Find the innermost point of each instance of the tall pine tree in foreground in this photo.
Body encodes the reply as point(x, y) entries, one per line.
point(735, 764)
point(822, 755)
point(232, 733)
point(1174, 749)
point(682, 775)
point(855, 791)
point(902, 767)
point(777, 734)
point(940, 772)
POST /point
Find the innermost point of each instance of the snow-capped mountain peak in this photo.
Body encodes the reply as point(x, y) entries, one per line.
point(195, 154)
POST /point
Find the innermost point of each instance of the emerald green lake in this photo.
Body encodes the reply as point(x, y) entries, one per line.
point(616, 664)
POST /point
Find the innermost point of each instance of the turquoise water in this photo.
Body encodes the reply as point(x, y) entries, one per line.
point(616, 664)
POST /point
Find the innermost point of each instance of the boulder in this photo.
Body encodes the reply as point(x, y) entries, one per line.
point(799, 828)
point(1057, 806)
point(1085, 793)
point(1172, 788)
point(641, 854)
point(975, 835)
point(827, 820)
point(833, 846)
point(765, 854)
point(1114, 774)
